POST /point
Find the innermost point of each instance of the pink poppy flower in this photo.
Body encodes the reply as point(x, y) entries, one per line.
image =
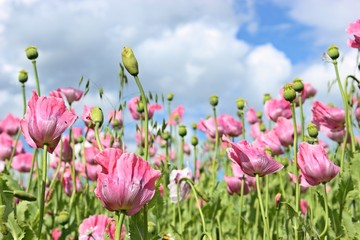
point(133, 108)
point(65, 150)
point(90, 153)
point(251, 116)
point(251, 160)
point(115, 118)
point(284, 130)
point(309, 90)
point(303, 206)
point(91, 171)
point(233, 185)
point(77, 134)
point(126, 183)
point(304, 185)
point(314, 164)
point(269, 140)
point(336, 135)
point(330, 117)
point(71, 94)
point(208, 126)
point(67, 183)
point(255, 131)
point(86, 116)
point(6, 146)
point(176, 115)
point(184, 187)
point(231, 127)
point(354, 29)
point(94, 227)
point(274, 108)
point(22, 162)
point(55, 234)
point(45, 120)
point(10, 124)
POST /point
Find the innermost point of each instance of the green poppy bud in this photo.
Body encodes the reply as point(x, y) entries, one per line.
point(170, 97)
point(194, 126)
point(312, 130)
point(97, 115)
point(24, 195)
point(62, 218)
point(267, 97)
point(298, 85)
point(214, 100)
point(333, 52)
point(289, 92)
point(165, 135)
point(262, 127)
point(31, 53)
point(182, 130)
point(194, 141)
point(23, 76)
point(240, 103)
point(140, 107)
point(259, 115)
point(129, 61)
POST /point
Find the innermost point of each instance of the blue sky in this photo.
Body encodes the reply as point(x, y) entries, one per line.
point(231, 48)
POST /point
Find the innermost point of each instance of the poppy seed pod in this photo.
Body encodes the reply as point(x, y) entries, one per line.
point(170, 97)
point(289, 92)
point(182, 131)
point(298, 85)
point(240, 103)
point(333, 52)
point(23, 76)
point(31, 53)
point(312, 130)
point(214, 100)
point(267, 97)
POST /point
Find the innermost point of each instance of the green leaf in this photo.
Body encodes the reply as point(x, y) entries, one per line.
point(348, 226)
point(14, 228)
point(81, 79)
point(137, 226)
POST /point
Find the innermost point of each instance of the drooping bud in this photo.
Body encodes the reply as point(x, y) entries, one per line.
point(129, 61)
point(24, 195)
point(23, 76)
point(312, 130)
point(194, 141)
point(240, 103)
point(214, 100)
point(289, 92)
point(62, 218)
point(333, 52)
point(170, 97)
point(298, 85)
point(182, 130)
point(31, 53)
point(97, 116)
point(267, 97)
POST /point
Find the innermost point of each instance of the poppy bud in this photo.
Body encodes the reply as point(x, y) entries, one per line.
point(298, 85)
point(129, 61)
point(96, 115)
point(333, 52)
point(214, 100)
point(31, 53)
point(23, 76)
point(289, 92)
point(182, 131)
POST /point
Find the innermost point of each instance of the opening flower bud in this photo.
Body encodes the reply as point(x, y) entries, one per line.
point(214, 100)
point(129, 61)
point(312, 130)
point(298, 85)
point(194, 141)
point(23, 76)
point(182, 130)
point(240, 103)
point(289, 92)
point(31, 53)
point(170, 97)
point(97, 115)
point(333, 52)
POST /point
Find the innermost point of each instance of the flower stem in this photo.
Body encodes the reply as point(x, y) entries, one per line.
point(264, 217)
point(32, 169)
point(43, 186)
point(144, 101)
point(182, 143)
point(348, 121)
point(36, 77)
point(297, 185)
point(302, 119)
point(120, 216)
point(241, 205)
point(326, 227)
point(216, 152)
point(97, 137)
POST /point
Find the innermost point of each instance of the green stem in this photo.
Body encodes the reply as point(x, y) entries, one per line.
point(8, 163)
point(348, 121)
point(264, 217)
point(326, 227)
point(23, 97)
point(144, 101)
point(216, 152)
point(302, 119)
point(36, 77)
point(195, 159)
point(32, 170)
point(296, 172)
point(97, 137)
point(120, 216)
point(241, 205)
point(43, 187)
point(243, 125)
point(182, 143)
